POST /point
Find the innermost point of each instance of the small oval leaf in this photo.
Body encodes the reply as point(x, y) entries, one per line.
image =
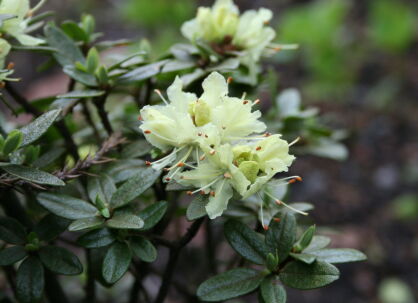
point(33, 175)
point(97, 238)
point(60, 260)
point(339, 255)
point(30, 281)
point(153, 214)
point(116, 262)
point(11, 255)
point(230, 284)
point(11, 231)
point(272, 291)
point(143, 249)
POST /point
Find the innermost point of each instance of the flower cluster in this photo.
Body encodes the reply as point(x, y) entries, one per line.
point(14, 18)
point(246, 36)
point(217, 142)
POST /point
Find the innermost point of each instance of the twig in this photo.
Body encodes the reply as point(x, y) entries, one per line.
point(173, 258)
point(99, 102)
point(89, 119)
point(90, 285)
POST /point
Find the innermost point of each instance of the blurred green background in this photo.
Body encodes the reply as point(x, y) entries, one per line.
point(358, 62)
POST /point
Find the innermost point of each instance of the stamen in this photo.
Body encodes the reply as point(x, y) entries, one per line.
point(161, 96)
point(294, 141)
point(256, 102)
point(11, 65)
point(139, 118)
point(265, 227)
point(202, 158)
point(258, 148)
point(229, 80)
point(212, 193)
point(244, 94)
point(189, 193)
point(227, 175)
point(267, 135)
point(148, 163)
point(279, 202)
point(180, 164)
point(245, 102)
point(207, 186)
point(212, 152)
point(276, 219)
point(147, 131)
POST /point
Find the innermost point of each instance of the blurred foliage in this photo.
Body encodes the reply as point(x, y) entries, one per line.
point(393, 290)
point(405, 207)
point(392, 24)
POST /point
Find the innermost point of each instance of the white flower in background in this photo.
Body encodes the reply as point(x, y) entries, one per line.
point(215, 141)
point(15, 15)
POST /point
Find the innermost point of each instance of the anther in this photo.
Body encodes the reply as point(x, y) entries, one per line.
point(168, 179)
point(265, 227)
point(147, 132)
point(212, 152)
point(257, 101)
point(190, 193)
point(147, 163)
point(202, 158)
point(11, 65)
point(212, 193)
point(206, 136)
point(278, 202)
point(258, 148)
point(277, 49)
point(291, 181)
point(267, 135)
point(199, 134)
point(299, 178)
point(245, 102)
point(276, 219)
point(223, 127)
point(139, 118)
point(180, 164)
point(202, 192)
point(166, 169)
point(229, 80)
point(227, 175)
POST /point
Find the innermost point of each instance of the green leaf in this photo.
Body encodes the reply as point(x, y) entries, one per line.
point(227, 65)
point(143, 249)
point(50, 227)
point(153, 214)
point(30, 281)
point(143, 72)
point(303, 276)
point(305, 258)
point(60, 260)
point(11, 255)
point(80, 76)
point(246, 242)
point(196, 208)
point(101, 186)
point(82, 94)
point(86, 223)
point(318, 242)
point(93, 60)
point(177, 65)
point(136, 149)
point(73, 30)
point(272, 291)
point(13, 142)
point(125, 221)
point(11, 231)
point(68, 52)
point(305, 239)
point(124, 169)
point(33, 175)
point(134, 187)
point(281, 236)
point(38, 127)
point(97, 238)
point(230, 284)
point(116, 262)
point(339, 255)
point(66, 206)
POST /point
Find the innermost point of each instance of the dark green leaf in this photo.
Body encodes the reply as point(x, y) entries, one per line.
point(196, 208)
point(30, 281)
point(227, 65)
point(272, 291)
point(82, 94)
point(60, 260)
point(153, 214)
point(97, 238)
point(303, 276)
point(80, 76)
point(246, 242)
point(73, 30)
point(101, 186)
point(11, 255)
point(144, 72)
point(11, 231)
point(318, 242)
point(125, 221)
point(34, 175)
point(339, 255)
point(68, 52)
point(305, 258)
point(136, 149)
point(116, 262)
point(51, 226)
point(143, 249)
point(124, 169)
point(66, 206)
point(230, 284)
point(39, 126)
point(281, 236)
point(176, 65)
point(86, 223)
point(305, 239)
point(134, 187)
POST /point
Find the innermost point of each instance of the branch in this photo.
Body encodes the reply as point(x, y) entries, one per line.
point(173, 258)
